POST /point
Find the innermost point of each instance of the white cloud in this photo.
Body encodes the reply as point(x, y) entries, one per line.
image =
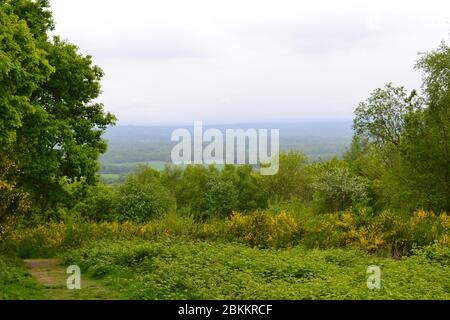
point(172, 61)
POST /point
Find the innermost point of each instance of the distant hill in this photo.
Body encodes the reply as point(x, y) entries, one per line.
point(129, 146)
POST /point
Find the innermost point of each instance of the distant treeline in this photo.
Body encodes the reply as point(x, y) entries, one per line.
point(129, 146)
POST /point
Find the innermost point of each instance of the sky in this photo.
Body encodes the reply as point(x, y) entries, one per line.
point(235, 61)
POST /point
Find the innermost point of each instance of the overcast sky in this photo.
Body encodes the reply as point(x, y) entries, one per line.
point(170, 61)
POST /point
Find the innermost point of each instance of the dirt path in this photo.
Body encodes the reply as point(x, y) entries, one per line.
point(51, 275)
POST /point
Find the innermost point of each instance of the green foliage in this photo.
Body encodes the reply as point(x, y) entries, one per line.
point(291, 180)
point(221, 197)
point(385, 232)
point(426, 153)
point(143, 196)
point(246, 183)
point(50, 127)
point(97, 203)
point(15, 282)
point(335, 187)
point(382, 117)
point(207, 192)
point(410, 138)
point(36, 14)
point(191, 189)
point(180, 269)
point(13, 202)
point(435, 253)
point(170, 176)
point(23, 68)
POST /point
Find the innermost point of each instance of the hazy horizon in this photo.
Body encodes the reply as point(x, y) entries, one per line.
point(238, 123)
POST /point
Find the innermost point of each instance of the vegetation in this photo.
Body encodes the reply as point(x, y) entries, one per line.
point(15, 282)
point(213, 232)
point(178, 269)
point(50, 128)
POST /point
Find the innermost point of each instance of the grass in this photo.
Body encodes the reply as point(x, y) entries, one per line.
point(254, 256)
point(15, 282)
point(45, 279)
point(51, 275)
point(183, 269)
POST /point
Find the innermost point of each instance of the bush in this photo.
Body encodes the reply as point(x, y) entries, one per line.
point(436, 253)
point(13, 202)
point(191, 190)
point(250, 194)
point(181, 269)
point(143, 196)
point(292, 179)
point(221, 198)
point(264, 230)
point(97, 203)
point(206, 192)
point(385, 232)
point(337, 189)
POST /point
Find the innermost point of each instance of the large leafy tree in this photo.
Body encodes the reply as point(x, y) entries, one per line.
point(50, 127)
point(381, 118)
point(427, 151)
point(412, 136)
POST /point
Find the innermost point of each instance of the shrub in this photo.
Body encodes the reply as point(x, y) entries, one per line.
point(143, 196)
point(13, 202)
point(385, 232)
point(221, 198)
point(206, 192)
point(250, 194)
point(264, 230)
point(336, 189)
point(97, 203)
point(437, 252)
point(291, 181)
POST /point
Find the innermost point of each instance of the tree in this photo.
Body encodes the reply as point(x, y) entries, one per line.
point(192, 188)
point(291, 179)
point(170, 177)
point(221, 197)
point(411, 134)
point(427, 151)
point(143, 196)
point(96, 202)
point(23, 68)
point(382, 117)
point(51, 129)
point(365, 160)
point(250, 195)
point(336, 188)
